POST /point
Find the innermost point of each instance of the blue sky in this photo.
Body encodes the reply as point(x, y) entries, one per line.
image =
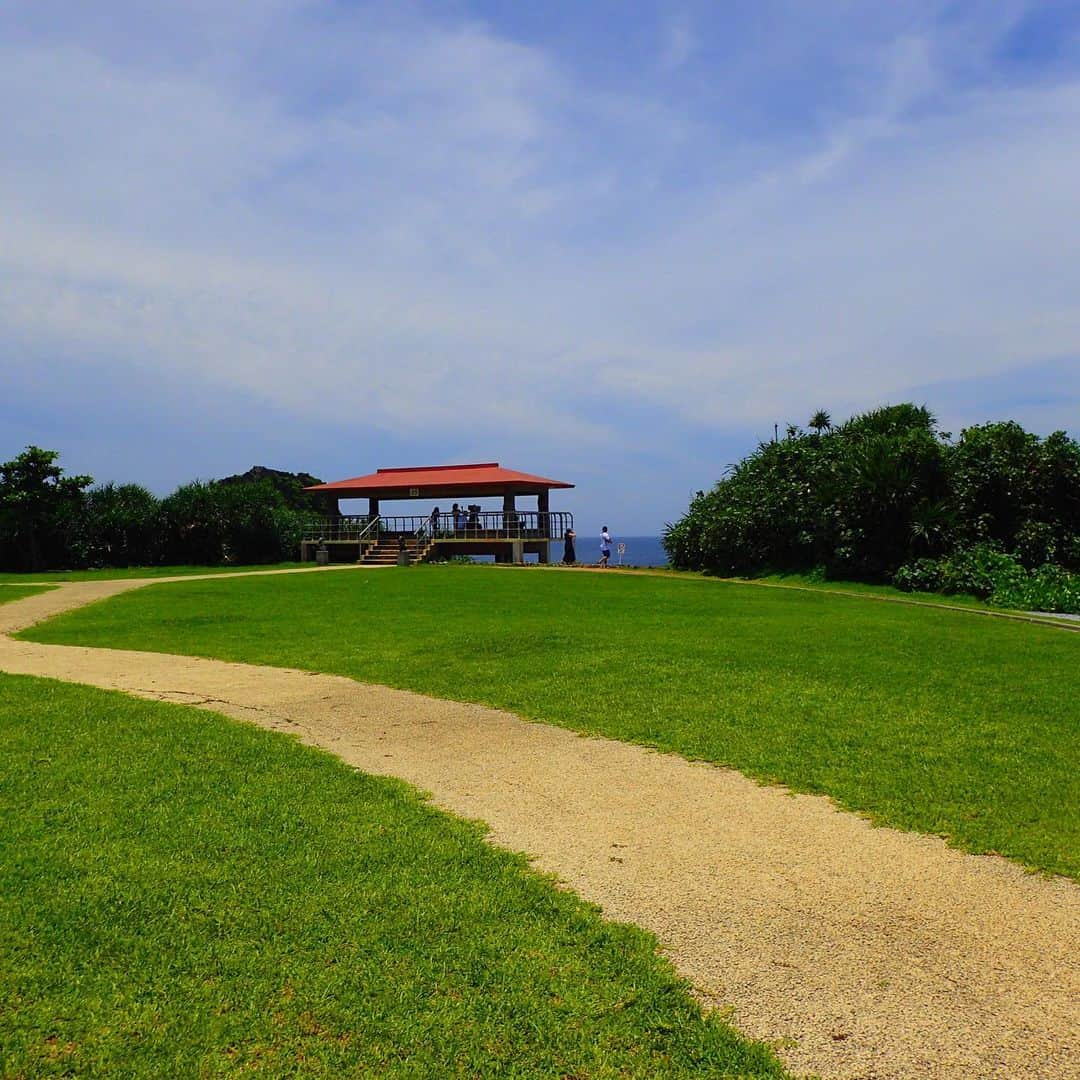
point(610, 243)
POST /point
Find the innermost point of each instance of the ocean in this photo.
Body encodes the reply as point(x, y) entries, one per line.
point(640, 551)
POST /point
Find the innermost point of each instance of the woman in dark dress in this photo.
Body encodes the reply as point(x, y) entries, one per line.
point(569, 555)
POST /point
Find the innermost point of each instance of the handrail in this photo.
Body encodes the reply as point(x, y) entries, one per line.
point(418, 536)
point(353, 529)
point(372, 524)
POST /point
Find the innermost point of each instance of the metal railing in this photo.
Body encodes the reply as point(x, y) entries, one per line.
point(426, 528)
point(358, 529)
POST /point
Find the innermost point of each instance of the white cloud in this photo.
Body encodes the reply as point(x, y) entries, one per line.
point(413, 221)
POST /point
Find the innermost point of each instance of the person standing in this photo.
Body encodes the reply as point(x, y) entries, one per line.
point(569, 555)
point(605, 547)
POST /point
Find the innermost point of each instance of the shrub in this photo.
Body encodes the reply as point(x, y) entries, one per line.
point(1036, 543)
point(193, 525)
point(850, 499)
point(995, 576)
point(886, 496)
point(922, 575)
point(240, 523)
point(116, 525)
point(48, 520)
point(980, 571)
point(258, 526)
point(1047, 588)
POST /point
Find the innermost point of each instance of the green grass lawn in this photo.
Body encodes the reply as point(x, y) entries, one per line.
point(942, 722)
point(18, 592)
point(889, 592)
point(184, 895)
point(112, 574)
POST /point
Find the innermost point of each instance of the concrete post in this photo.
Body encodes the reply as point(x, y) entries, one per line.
point(543, 509)
point(510, 518)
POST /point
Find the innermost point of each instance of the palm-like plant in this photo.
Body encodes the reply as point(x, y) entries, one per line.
point(931, 524)
point(820, 421)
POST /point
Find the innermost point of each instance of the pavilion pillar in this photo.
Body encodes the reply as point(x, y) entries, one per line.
point(372, 507)
point(544, 523)
point(510, 518)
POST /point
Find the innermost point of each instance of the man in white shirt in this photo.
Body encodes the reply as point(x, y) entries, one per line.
point(605, 546)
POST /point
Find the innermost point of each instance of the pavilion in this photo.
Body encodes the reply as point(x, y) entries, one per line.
point(508, 534)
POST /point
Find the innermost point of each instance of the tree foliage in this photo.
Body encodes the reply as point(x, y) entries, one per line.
point(51, 521)
point(290, 486)
point(35, 501)
point(208, 524)
point(114, 525)
point(882, 490)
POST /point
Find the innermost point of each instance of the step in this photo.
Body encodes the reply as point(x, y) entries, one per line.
point(388, 559)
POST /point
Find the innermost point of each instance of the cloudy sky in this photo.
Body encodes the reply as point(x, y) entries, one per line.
point(609, 242)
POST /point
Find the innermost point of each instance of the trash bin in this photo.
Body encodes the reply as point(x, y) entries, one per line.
point(403, 557)
point(322, 555)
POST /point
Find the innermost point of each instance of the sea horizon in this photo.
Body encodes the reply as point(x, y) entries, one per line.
point(637, 551)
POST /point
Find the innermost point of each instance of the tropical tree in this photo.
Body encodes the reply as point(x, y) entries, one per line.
point(116, 525)
point(212, 523)
point(35, 500)
point(193, 525)
point(259, 526)
point(882, 489)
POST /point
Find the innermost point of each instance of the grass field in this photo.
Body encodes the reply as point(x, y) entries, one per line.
point(185, 895)
point(136, 572)
point(18, 592)
point(935, 721)
point(861, 588)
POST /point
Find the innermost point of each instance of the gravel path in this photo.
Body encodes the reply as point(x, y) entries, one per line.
point(863, 952)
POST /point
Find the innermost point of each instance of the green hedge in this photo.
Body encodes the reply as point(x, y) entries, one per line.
point(886, 490)
point(995, 576)
point(49, 521)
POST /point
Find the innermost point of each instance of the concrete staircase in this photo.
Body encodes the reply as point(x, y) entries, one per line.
point(387, 551)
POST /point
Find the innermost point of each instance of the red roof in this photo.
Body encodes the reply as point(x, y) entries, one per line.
point(433, 480)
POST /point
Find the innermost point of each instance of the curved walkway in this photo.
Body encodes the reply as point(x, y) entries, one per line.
point(860, 951)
